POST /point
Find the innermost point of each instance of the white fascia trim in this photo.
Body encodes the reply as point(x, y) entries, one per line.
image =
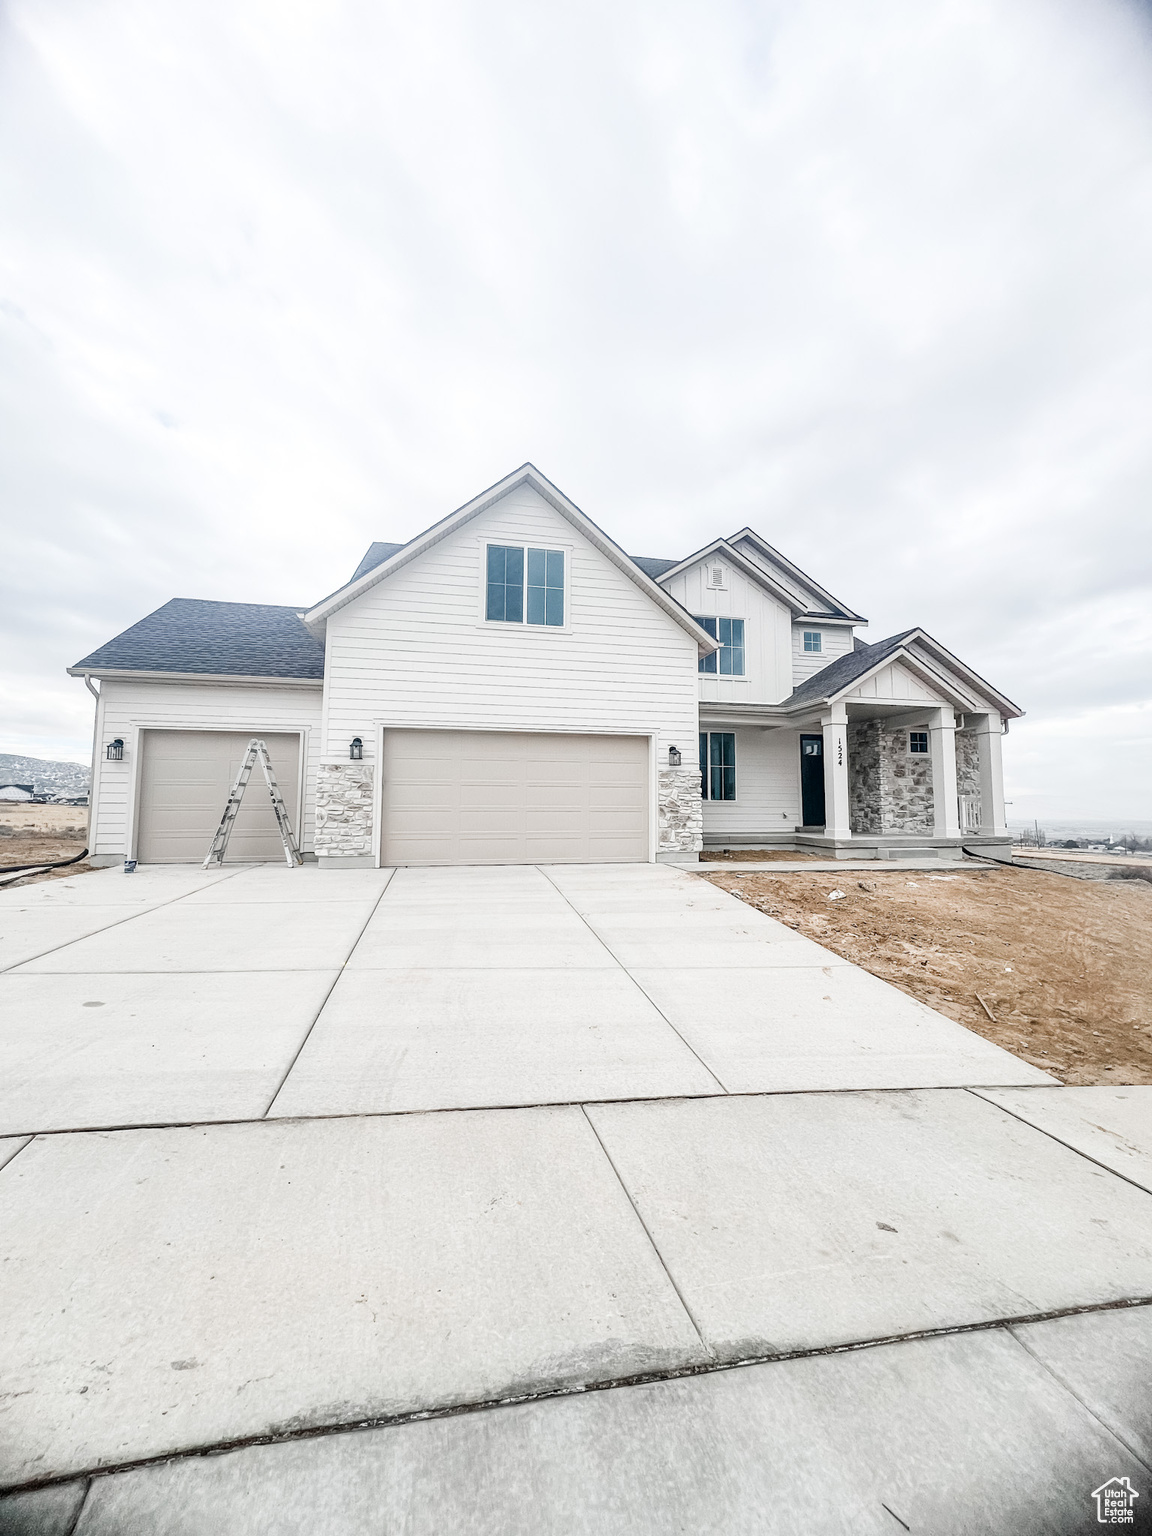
point(527, 474)
point(743, 564)
point(982, 689)
point(794, 570)
point(130, 674)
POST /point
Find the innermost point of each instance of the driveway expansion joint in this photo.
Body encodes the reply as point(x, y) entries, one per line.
point(639, 1379)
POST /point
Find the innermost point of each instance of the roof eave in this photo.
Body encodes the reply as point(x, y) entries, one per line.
point(140, 674)
point(801, 576)
point(746, 566)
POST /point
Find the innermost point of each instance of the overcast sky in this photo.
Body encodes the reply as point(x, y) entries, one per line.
point(281, 277)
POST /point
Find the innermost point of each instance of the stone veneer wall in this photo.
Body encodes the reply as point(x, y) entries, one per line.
point(906, 800)
point(681, 828)
point(967, 763)
point(889, 790)
point(343, 810)
point(864, 776)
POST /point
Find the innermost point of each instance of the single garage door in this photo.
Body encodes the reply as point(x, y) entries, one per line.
point(488, 797)
point(184, 782)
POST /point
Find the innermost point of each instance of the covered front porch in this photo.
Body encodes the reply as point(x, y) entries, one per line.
point(877, 778)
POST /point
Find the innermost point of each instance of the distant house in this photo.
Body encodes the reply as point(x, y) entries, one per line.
point(23, 792)
point(511, 687)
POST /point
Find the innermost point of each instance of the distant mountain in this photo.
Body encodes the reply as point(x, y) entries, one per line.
point(49, 778)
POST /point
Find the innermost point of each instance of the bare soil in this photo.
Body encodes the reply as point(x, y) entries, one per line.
point(754, 856)
point(34, 833)
point(1064, 967)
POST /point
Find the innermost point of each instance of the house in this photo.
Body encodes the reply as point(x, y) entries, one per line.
point(510, 686)
point(20, 792)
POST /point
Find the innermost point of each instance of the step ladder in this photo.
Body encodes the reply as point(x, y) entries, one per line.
point(257, 752)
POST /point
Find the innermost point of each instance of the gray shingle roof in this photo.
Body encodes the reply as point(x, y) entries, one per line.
point(234, 639)
point(377, 554)
point(651, 566)
point(845, 669)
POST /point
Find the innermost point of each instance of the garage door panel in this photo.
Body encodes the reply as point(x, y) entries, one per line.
point(489, 797)
point(185, 778)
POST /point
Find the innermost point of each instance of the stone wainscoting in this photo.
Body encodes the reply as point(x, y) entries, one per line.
point(681, 811)
point(967, 763)
point(344, 810)
point(889, 788)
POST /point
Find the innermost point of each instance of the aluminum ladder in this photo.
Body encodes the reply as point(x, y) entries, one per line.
point(257, 752)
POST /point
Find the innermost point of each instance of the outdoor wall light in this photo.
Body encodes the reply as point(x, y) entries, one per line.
point(356, 749)
point(673, 757)
point(115, 752)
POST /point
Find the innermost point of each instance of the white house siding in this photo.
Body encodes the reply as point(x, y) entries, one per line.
point(896, 684)
point(767, 664)
point(836, 641)
point(767, 788)
point(415, 650)
point(127, 707)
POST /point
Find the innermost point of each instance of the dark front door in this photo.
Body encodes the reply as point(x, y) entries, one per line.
point(812, 780)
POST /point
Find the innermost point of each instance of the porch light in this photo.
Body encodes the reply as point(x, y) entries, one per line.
point(356, 749)
point(115, 752)
point(673, 757)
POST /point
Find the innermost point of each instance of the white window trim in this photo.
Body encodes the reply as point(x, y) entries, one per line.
point(725, 677)
point(707, 799)
point(511, 626)
point(804, 650)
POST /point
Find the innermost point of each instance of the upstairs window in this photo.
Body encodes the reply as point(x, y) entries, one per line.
point(718, 765)
point(729, 660)
point(918, 742)
point(813, 641)
point(513, 600)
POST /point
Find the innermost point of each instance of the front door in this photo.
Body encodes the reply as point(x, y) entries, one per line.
point(812, 780)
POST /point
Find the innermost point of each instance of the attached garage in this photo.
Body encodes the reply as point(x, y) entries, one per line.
point(489, 797)
point(185, 777)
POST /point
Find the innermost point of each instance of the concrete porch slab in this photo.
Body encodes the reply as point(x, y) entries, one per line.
point(235, 936)
point(106, 1050)
point(966, 1434)
point(1111, 1125)
point(257, 1279)
point(800, 1221)
point(823, 1026)
point(451, 1039)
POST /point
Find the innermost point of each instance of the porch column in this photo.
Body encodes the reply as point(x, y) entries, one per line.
point(837, 815)
point(942, 743)
point(993, 822)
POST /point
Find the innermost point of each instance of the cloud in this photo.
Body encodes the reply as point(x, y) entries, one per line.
point(283, 278)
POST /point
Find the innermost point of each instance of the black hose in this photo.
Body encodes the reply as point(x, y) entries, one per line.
point(11, 869)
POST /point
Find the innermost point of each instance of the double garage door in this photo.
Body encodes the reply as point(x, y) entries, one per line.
point(488, 797)
point(185, 777)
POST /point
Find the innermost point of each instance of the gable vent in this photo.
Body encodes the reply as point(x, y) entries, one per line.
point(715, 575)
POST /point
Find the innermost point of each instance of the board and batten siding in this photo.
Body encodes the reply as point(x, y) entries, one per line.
point(836, 641)
point(415, 650)
point(767, 660)
point(127, 707)
point(895, 682)
point(767, 788)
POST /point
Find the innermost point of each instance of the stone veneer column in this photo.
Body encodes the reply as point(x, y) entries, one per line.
point(681, 819)
point(344, 811)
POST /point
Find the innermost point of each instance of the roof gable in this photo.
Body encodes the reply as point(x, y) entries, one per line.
point(924, 657)
point(814, 600)
point(317, 617)
point(732, 556)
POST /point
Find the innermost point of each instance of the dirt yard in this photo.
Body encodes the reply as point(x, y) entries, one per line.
point(48, 832)
point(1063, 966)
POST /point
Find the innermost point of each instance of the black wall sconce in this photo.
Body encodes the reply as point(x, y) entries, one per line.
point(115, 752)
point(356, 749)
point(673, 757)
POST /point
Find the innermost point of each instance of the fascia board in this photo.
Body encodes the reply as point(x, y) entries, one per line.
point(527, 474)
point(917, 666)
point(794, 570)
point(983, 690)
point(744, 565)
point(125, 674)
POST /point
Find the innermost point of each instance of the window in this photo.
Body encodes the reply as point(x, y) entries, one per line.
point(728, 661)
point(918, 741)
point(813, 640)
point(718, 765)
point(507, 566)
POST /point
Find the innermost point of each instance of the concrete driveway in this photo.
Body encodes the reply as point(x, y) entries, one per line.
point(288, 1152)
